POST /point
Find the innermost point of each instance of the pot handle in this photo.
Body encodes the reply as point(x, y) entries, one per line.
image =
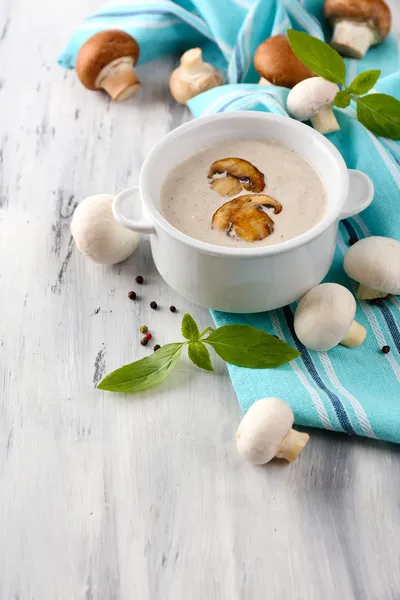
point(139, 222)
point(361, 193)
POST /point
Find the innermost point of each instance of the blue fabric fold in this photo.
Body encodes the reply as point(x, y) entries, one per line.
point(353, 391)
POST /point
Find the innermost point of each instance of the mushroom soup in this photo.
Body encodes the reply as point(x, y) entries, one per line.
point(244, 193)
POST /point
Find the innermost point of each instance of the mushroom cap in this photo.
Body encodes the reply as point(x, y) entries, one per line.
point(324, 316)
point(101, 49)
point(309, 96)
point(375, 262)
point(375, 13)
point(263, 430)
point(98, 235)
point(275, 60)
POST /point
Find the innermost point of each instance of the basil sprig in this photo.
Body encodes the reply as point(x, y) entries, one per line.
point(380, 113)
point(240, 345)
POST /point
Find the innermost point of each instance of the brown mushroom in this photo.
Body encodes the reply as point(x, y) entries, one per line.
point(358, 24)
point(275, 61)
point(106, 61)
point(246, 174)
point(245, 215)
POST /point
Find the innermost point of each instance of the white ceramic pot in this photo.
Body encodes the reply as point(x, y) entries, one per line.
point(242, 280)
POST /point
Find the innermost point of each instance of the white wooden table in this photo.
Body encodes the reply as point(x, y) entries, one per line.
point(107, 497)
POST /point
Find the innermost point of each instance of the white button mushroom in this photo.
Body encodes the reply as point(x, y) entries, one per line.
point(324, 318)
point(106, 61)
point(358, 24)
point(98, 235)
point(266, 431)
point(312, 100)
point(375, 263)
point(192, 77)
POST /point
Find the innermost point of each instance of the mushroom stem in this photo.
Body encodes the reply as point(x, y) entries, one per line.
point(192, 59)
point(355, 336)
point(292, 445)
point(352, 38)
point(367, 293)
point(264, 81)
point(119, 79)
point(325, 121)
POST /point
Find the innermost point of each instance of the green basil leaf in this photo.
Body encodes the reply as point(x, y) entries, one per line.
point(380, 114)
point(363, 82)
point(189, 328)
point(144, 373)
point(247, 346)
point(319, 57)
point(200, 356)
point(342, 99)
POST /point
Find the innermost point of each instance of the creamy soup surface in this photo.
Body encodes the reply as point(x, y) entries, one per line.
point(189, 202)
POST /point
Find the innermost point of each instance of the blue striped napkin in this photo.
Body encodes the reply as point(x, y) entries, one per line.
point(353, 391)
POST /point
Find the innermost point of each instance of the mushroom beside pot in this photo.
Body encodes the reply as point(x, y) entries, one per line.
point(374, 263)
point(277, 64)
point(358, 24)
point(266, 431)
point(324, 318)
point(106, 61)
point(193, 77)
point(98, 235)
point(312, 99)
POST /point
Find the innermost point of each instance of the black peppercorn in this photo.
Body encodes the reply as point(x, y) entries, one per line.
point(386, 349)
point(144, 341)
point(353, 240)
point(153, 305)
point(172, 308)
point(139, 279)
point(156, 347)
point(132, 295)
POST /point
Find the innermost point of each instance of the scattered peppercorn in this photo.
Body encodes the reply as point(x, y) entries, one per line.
point(375, 302)
point(353, 240)
point(139, 279)
point(153, 305)
point(156, 347)
point(148, 336)
point(132, 295)
point(386, 349)
point(144, 341)
point(172, 308)
point(144, 329)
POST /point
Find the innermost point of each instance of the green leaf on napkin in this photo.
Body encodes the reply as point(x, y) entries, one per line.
point(200, 356)
point(342, 99)
point(318, 56)
point(144, 373)
point(380, 114)
point(247, 346)
point(237, 344)
point(189, 328)
point(364, 82)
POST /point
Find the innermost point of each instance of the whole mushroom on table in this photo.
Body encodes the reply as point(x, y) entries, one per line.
point(324, 318)
point(312, 100)
point(358, 24)
point(97, 234)
point(374, 263)
point(193, 76)
point(266, 431)
point(106, 61)
point(277, 64)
